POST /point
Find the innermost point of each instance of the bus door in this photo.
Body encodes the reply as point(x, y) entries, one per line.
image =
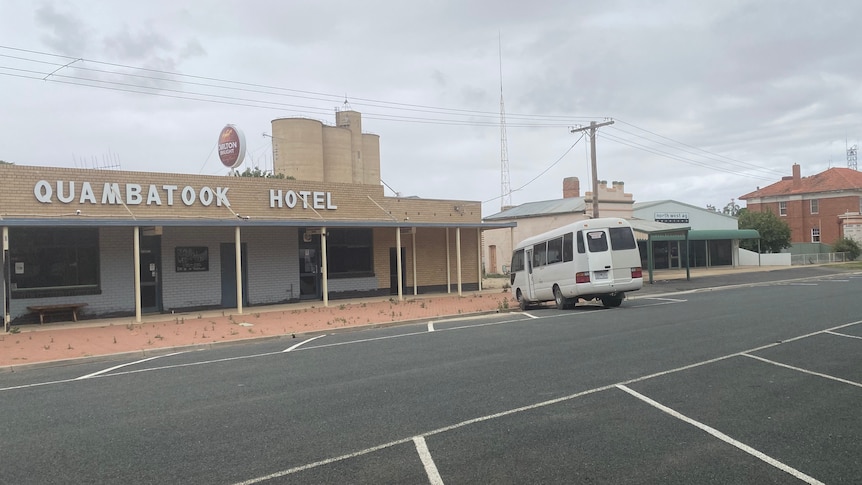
point(599, 257)
point(528, 264)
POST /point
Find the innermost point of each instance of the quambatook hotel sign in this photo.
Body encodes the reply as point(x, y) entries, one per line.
point(112, 193)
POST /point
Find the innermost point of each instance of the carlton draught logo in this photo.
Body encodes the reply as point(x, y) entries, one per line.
point(231, 146)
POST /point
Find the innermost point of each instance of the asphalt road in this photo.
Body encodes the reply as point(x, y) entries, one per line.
point(750, 384)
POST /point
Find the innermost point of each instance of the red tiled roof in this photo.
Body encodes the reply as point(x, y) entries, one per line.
point(834, 179)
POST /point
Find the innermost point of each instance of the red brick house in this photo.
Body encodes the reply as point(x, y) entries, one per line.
point(821, 208)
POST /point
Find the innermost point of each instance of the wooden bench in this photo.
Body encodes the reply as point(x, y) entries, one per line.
point(58, 308)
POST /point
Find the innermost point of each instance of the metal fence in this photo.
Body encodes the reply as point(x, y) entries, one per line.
point(819, 258)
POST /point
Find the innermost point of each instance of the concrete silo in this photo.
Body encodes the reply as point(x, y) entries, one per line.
point(297, 148)
point(337, 151)
point(371, 158)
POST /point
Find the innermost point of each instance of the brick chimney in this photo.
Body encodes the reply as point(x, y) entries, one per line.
point(571, 187)
point(797, 175)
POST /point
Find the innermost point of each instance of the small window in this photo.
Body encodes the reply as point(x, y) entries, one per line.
point(815, 235)
point(518, 261)
point(815, 206)
point(597, 241)
point(581, 249)
point(555, 250)
point(622, 238)
point(782, 208)
point(540, 254)
point(568, 249)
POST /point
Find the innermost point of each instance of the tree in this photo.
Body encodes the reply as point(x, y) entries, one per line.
point(731, 209)
point(849, 246)
point(260, 173)
point(774, 232)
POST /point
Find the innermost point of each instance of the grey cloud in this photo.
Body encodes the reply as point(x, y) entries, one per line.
point(67, 34)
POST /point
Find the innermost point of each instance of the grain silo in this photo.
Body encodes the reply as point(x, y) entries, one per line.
point(337, 150)
point(371, 158)
point(297, 148)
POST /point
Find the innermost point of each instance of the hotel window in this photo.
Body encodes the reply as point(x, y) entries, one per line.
point(815, 206)
point(350, 253)
point(815, 235)
point(782, 208)
point(49, 262)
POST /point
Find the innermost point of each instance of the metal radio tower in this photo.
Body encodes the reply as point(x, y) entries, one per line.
point(505, 185)
point(851, 157)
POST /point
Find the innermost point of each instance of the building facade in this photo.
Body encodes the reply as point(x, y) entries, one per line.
point(819, 209)
point(127, 243)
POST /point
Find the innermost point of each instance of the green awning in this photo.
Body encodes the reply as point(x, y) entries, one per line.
point(712, 235)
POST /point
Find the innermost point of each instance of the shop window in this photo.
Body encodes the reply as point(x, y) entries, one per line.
point(815, 206)
point(349, 253)
point(815, 235)
point(782, 208)
point(47, 262)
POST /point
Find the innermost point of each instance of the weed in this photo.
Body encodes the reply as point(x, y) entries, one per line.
point(422, 305)
point(69, 347)
point(257, 315)
point(234, 332)
point(159, 336)
point(342, 306)
point(14, 330)
point(115, 339)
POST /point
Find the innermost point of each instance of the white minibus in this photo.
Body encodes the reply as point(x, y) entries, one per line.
point(593, 259)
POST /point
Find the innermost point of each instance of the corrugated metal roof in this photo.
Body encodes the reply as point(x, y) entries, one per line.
point(541, 208)
point(712, 235)
point(252, 222)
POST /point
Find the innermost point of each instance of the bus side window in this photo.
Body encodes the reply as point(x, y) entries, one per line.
point(581, 248)
point(540, 254)
point(555, 250)
point(568, 249)
point(517, 261)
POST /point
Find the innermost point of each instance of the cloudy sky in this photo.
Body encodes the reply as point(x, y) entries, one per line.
point(709, 99)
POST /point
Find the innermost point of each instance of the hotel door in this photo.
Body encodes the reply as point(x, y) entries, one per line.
point(151, 278)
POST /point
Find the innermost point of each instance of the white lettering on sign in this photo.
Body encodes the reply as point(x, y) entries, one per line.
point(67, 192)
point(113, 193)
point(314, 199)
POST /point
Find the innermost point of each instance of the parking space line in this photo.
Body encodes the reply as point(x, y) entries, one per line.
point(723, 437)
point(427, 461)
point(295, 346)
point(103, 371)
point(431, 326)
point(529, 315)
point(806, 371)
point(843, 334)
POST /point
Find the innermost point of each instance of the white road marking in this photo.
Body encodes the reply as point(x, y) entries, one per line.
point(675, 300)
point(805, 371)
point(843, 335)
point(94, 374)
point(838, 281)
point(427, 461)
point(723, 437)
point(529, 315)
point(801, 284)
point(295, 346)
point(430, 326)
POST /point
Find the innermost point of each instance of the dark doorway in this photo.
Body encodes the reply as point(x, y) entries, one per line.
point(151, 279)
point(310, 282)
point(228, 274)
point(393, 271)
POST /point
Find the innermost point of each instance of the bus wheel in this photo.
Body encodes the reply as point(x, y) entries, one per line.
point(522, 302)
point(562, 302)
point(612, 301)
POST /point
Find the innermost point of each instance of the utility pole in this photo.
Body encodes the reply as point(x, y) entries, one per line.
point(593, 127)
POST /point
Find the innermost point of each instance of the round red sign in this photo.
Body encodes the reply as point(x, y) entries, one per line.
point(231, 146)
